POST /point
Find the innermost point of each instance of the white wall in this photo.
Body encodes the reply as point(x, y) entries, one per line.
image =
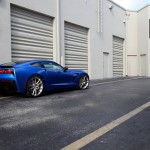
point(132, 32)
point(84, 13)
point(138, 43)
point(5, 32)
point(80, 12)
point(148, 41)
point(132, 43)
point(143, 37)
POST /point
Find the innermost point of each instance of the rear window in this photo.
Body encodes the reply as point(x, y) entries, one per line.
point(20, 62)
point(37, 64)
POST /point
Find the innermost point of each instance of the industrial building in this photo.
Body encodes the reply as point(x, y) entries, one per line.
point(137, 42)
point(97, 36)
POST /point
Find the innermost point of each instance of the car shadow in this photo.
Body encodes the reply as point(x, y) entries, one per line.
point(19, 95)
point(58, 91)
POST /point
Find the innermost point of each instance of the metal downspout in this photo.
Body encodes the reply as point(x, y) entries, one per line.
point(58, 34)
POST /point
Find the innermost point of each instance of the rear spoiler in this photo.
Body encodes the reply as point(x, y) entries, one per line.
point(8, 65)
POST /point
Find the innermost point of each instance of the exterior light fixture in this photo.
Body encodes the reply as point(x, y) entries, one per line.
point(124, 21)
point(111, 6)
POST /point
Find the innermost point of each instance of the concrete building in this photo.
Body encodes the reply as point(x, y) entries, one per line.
point(80, 34)
point(137, 42)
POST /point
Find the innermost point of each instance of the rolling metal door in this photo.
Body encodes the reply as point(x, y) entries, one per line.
point(76, 47)
point(117, 56)
point(31, 35)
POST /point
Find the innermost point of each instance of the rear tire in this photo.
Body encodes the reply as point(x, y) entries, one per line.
point(35, 86)
point(84, 82)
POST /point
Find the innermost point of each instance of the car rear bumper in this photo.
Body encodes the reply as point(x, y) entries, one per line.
point(8, 86)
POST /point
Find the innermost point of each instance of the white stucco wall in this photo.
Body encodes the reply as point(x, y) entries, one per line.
point(138, 42)
point(132, 33)
point(132, 43)
point(80, 12)
point(148, 41)
point(84, 13)
point(143, 37)
point(143, 31)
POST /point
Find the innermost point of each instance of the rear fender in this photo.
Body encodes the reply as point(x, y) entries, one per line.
point(24, 74)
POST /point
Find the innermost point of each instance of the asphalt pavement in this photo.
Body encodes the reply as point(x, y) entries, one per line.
point(56, 120)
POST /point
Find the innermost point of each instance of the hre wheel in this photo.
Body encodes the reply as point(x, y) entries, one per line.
point(35, 86)
point(84, 82)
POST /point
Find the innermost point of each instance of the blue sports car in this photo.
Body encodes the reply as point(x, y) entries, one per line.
point(35, 77)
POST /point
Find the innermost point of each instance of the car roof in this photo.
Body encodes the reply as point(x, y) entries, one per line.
point(32, 61)
point(22, 63)
point(28, 62)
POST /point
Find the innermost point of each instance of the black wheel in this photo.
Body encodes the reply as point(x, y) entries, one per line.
point(84, 82)
point(35, 86)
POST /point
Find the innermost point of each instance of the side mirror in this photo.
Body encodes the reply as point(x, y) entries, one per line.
point(65, 69)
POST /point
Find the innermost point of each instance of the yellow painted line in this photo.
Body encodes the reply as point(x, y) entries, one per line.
point(115, 81)
point(1, 98)
point(101, 131)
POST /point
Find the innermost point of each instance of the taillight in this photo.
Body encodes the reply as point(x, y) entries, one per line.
point(7, 71)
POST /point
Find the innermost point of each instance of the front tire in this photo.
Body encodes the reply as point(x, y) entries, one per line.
point(35, 86)
point(84, 82)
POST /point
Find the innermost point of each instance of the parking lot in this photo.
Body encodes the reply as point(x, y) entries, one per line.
point(112, 114)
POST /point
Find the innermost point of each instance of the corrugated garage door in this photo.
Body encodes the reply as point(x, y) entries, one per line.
point(76, 47)
point(31, 35)
point(117, 56)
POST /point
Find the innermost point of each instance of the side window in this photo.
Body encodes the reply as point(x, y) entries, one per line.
point(57, 67)
point(52, 66)
point(48, 65)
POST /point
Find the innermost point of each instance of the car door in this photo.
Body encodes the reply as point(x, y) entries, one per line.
point(56, 76)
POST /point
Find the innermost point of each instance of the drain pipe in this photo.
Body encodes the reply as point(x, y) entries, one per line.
point(58, 33)
point(99, 16)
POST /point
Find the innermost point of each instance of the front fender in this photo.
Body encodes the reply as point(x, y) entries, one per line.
point(77, 80)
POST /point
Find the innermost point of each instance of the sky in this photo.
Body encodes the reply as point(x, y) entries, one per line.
point(132, 4)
